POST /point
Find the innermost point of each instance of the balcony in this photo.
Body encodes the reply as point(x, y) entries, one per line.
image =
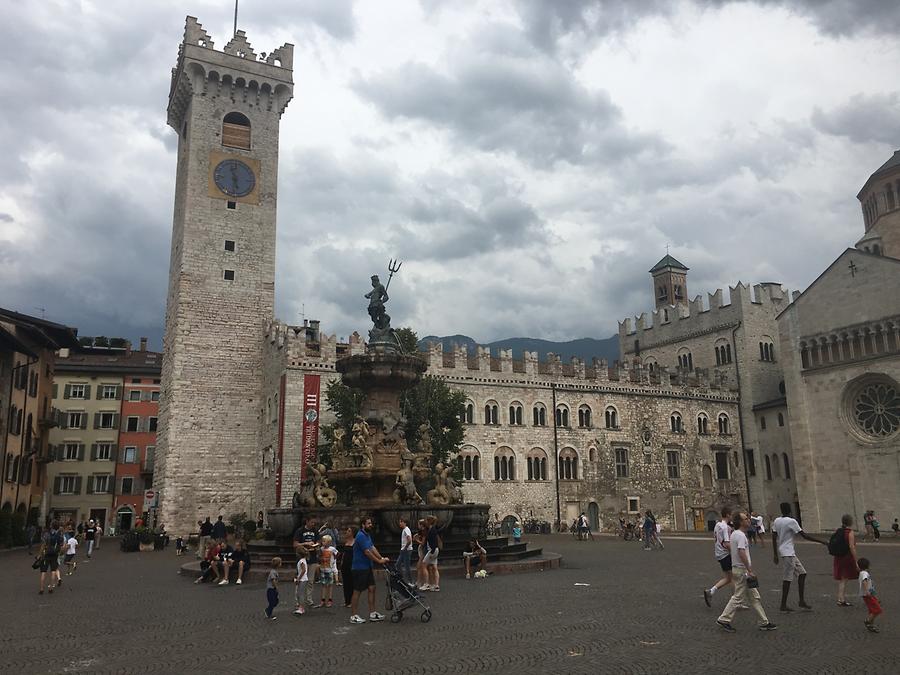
point(53, 418)
point(147, 466)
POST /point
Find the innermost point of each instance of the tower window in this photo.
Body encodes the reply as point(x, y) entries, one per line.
point(229, 245)
point(232, 205)
point(236, 131)
point(229, 275)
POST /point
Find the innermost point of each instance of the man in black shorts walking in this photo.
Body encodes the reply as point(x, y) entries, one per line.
point(721, 550)
point(364, 554)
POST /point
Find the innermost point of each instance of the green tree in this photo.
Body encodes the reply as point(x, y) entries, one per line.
point(345, 402)
point(432, 403)
point(409, 341)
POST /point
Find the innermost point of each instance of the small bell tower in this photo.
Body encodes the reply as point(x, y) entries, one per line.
point(669, 282)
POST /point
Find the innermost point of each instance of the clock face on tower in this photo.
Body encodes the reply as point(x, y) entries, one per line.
point(234, 178)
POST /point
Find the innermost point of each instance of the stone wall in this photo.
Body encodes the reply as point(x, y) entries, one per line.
point(839, 468)
point(214, 342)
point(741, 324)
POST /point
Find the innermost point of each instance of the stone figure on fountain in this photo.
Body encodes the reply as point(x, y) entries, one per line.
point(360, 450)
point(339, 458)
point(405, 491)
point(445, 489)
point(382, 338)
point(315, 490)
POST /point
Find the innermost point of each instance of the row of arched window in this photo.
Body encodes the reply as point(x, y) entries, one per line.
point(773, 470)
point(610, 417)
point(569, 465)
point(539, 415)
point(766, 351)
point(535, 464)
point(676, 424)
point(723, 354)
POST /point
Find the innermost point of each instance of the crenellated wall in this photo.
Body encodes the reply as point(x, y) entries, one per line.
point(644, 404)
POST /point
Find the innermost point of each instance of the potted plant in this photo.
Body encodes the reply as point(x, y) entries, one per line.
point(145, 538)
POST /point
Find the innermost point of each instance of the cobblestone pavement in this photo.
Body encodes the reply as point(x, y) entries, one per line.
point(641, 612)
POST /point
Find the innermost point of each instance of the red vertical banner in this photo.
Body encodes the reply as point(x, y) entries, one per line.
point(279, 461)
point(310, 422)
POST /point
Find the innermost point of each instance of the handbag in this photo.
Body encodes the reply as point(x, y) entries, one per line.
point(752, 582)
point(37, 563)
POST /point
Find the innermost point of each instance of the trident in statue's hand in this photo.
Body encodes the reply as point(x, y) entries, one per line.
point(393, 266)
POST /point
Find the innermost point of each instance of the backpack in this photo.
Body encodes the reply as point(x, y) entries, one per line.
point(53, 543)
point(838, 545)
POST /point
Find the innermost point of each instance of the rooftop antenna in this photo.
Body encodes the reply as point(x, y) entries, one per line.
point(303, 312)
point(667, 249)
point(235, 17)
point(41, 310)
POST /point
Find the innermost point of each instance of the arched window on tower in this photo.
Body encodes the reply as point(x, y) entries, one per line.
point(504, 464)
point(568, 464)
point(539, 415)
point(675, 422)
point(584, 416)
point(611, 418)
point(470, 413)
point(236, 131)
point(562, 416)
point(536, 463)
point(491, 413)
point(787, 466)
point(724, 427)
point(768, 467)
point(702, 424)
point(515, 414)
point(471, 462)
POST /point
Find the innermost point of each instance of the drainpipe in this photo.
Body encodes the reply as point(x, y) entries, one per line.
point(556, 458)
point(737, 372)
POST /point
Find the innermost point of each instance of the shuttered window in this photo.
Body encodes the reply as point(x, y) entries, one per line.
point(236, 131)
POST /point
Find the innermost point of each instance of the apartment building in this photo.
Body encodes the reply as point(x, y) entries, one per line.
point(100, 446)
point(27, 360)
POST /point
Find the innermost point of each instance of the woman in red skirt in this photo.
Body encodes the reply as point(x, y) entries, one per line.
point(845, 567)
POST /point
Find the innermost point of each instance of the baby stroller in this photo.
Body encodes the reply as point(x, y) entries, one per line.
point(402, 595)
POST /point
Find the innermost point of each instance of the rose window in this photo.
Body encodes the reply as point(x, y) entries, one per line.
point(876, 409)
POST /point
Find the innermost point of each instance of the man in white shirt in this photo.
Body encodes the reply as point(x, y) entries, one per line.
point(784, 529)
point(71, 548)
point(745, 584)
point(722, 552)
point(406, 543)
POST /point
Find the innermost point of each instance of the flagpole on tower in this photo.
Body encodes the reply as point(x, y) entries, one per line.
point(235, 16)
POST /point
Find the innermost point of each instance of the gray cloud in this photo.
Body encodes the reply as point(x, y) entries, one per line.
point(521, 197)
point(500, 96)
point(554, 25)
point(863, 119)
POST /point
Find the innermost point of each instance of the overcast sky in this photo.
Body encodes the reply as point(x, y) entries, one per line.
point(529, 161)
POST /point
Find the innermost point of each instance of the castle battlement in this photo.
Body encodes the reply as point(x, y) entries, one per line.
point(305, 346)
point(697, 317)
point(264, 81)
point(462, 364)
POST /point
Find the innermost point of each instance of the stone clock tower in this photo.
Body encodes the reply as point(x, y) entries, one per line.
point(225, 107)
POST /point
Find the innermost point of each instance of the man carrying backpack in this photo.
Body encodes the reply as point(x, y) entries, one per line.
point(783, 531)
point(51, 545)
point(842, 546)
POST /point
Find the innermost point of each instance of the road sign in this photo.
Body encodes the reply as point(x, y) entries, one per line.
point(151, 499)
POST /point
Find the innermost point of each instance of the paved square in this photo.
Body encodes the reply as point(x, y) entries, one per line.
point(642, 612)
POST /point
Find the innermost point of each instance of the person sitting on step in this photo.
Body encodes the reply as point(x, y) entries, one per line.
point(474, 556)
